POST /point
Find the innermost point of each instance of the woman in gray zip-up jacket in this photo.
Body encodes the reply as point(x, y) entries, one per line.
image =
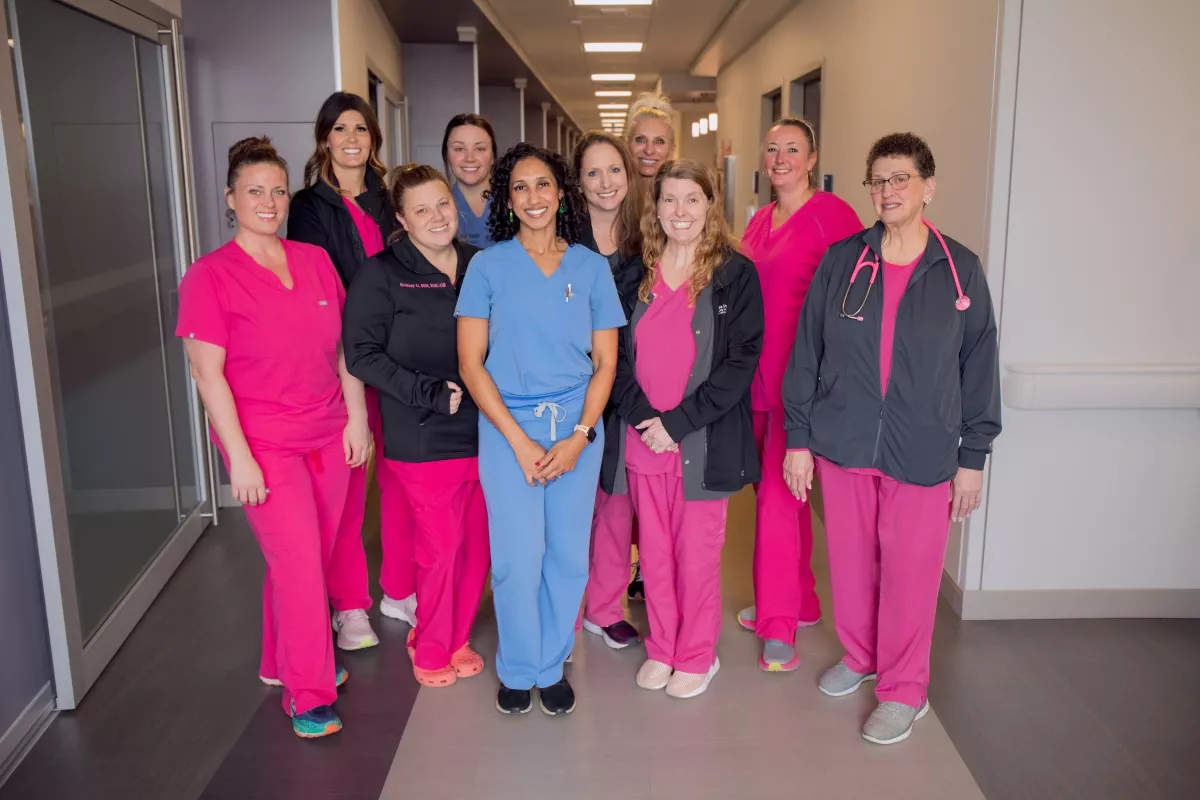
point(894, 387)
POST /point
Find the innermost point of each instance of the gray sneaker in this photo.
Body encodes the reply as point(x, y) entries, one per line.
point(839, 680)
point(892, 722)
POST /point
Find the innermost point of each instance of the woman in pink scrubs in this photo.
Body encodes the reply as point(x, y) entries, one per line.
point(683, 440)
point(401, 338)
point(261, 320)
point(893, 393)
point(786, 241)
point(344, 208)
point(606, 174)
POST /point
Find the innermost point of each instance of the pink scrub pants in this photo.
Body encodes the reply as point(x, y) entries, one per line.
point(785, 591)
point(444, 502)
point(887, 546)
point(297, 529)
point(680, 545)
point(398, 572)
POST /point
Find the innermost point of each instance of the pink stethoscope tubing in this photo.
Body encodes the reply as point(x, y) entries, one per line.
point(962, 303)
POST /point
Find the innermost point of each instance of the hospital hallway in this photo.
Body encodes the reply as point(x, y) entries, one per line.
point(1022, 710)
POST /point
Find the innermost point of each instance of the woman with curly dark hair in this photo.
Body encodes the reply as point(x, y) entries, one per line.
point(538, 315)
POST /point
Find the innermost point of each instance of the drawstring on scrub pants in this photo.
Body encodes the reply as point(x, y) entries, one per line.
point(555, 410)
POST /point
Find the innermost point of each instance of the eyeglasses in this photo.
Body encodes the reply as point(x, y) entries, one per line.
point(898, 181)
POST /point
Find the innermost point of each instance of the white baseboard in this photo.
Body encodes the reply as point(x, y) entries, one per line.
point(23, 734)
point(1071, 603)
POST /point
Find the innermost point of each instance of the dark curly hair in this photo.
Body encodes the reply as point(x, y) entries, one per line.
point(901, 145)
point(570, 223)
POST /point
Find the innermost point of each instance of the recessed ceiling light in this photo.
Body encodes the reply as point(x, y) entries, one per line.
point(614, 93)
point(604, 106)
point(613, 76)
point(613, 2)
point(612, 47)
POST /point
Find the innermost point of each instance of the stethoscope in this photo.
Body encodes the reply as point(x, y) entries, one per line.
point(962, 303)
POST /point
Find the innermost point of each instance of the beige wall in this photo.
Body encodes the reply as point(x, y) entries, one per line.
point(1101, 277)
point(174, 6)
point(920, 65)
point(366, 40)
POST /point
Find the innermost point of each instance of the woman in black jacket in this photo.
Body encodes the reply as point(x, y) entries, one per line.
point(344, 208)
point(682, 440)
point(604, 166)
point(401, 339)
point(894, 387)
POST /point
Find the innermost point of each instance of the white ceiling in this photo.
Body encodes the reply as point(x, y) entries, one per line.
point(675, 34)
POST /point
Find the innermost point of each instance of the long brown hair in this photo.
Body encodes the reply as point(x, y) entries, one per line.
point(628, 234)
point(320, 165)
point(410, 176)
point(716, 242)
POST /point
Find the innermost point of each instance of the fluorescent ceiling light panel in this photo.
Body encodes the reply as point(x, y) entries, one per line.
point(612, 47)
point(613, 76)
point(614, 93)
point(614, 106)
point(712, 121)
point(613, 2)
point(695, 130)
point(703, 126)
point(618, 114)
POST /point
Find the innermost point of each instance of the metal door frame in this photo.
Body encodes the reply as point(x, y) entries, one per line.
point(77, 664)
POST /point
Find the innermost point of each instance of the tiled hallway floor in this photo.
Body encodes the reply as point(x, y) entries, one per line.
point(1090, 709)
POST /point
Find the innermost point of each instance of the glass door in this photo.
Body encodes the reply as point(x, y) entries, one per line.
point(107, 175)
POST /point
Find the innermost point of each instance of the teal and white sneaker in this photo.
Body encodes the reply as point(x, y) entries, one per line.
point(316, 722)
point(892, 722)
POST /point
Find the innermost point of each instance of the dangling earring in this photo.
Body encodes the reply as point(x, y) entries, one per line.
point(562, 208)
point(510, 215)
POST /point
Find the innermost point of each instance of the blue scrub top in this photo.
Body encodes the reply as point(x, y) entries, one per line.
point(472, 229)
point(539, 328)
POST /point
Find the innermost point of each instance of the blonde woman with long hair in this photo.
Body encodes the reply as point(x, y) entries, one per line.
point(682, 438)
point(650, 136)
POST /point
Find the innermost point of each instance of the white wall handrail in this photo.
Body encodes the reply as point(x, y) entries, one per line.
point(1042, 387)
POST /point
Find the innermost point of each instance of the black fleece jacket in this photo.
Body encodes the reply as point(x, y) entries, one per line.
point(319, 216)
point(401, 337)
point(942, 406)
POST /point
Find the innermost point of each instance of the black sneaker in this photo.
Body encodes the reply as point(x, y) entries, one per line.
point(636, 590)
point(618, 636)
point(514, 701)
point(557, 699)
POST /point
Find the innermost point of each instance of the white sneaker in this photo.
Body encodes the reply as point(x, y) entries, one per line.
point(404, 610)
point(690, 684)
point(354, 630)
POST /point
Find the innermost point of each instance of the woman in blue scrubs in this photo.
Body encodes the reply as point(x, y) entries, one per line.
point(538, 315)
point(469, 151)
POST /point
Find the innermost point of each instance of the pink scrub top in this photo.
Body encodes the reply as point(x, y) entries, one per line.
point(281, 345)
point(786, 259)
point(664, 353)
point(368, 229)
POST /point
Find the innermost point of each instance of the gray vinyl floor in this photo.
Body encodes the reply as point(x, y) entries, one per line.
point(1059, 710)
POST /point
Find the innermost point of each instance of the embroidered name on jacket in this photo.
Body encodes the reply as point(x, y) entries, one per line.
point(423, 285)
point(721, 309)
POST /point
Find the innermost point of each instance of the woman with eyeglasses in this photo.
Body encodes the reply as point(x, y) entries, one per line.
point(786, 240)
point(893, 395)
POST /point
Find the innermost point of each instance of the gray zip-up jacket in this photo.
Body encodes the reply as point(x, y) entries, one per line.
point(942, 406)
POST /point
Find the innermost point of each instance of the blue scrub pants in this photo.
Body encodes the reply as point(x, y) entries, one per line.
point(540, 539)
